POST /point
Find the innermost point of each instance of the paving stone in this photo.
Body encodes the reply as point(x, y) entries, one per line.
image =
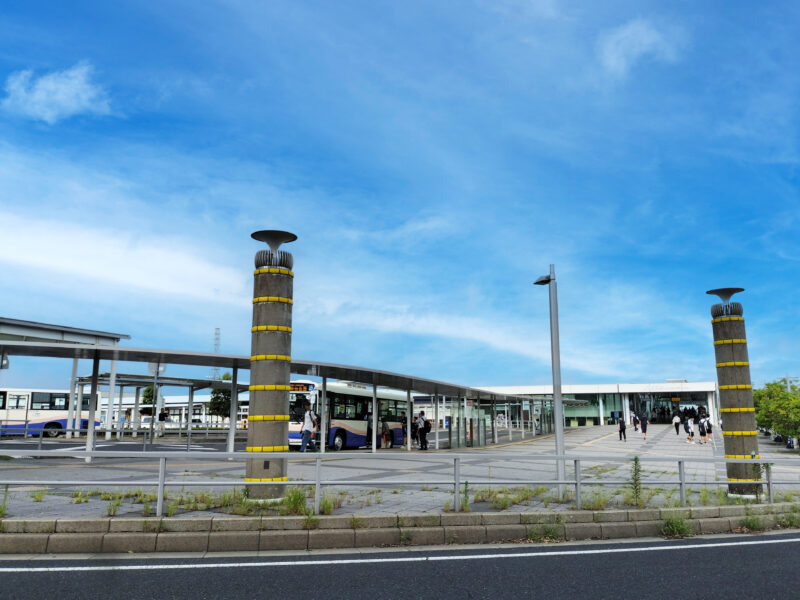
point(233, 541)
point(731, 511)
point(376, 521)
point(465, 534)
point(506, 518)
point(616, 530)
point(271, 523)
point(331, 538)
point(502, 533)
point(185, 525)
point(82, 525)
point(421, 536)
point(648, 528)
point(644, 514)
point(23, 543)
point(705, 512)
point(419, 520)
point(236, 524)
point(582, 531)
point(461, 519)
point(75, 543)
point(129, 542)
point(715, 525)
point(613, 516)
point(182, 541)
point(283, 540)
point(336, 522)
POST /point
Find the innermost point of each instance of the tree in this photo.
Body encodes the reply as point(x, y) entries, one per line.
point(778, 409)
point(147, 395)
point(219, 404)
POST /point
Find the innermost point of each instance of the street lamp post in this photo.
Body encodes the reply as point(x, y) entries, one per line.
point(558, 405)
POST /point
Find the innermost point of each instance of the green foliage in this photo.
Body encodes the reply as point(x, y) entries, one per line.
point(147, 395)
point(4, 505)
point(778, 409)
point(465, 498)
point(705, 497)
point(219, 404)
point(675, 527)
point(636, 482)
point(597, 501)
point(293, 502)
point(113, 507)
point(752, 523)
point(356, 522)
point(326, 504)
point(311, 521)
point(38, 496)
point(789, 521)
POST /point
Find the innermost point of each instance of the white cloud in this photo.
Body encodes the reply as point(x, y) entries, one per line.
point(56, 95)
point(621, 48)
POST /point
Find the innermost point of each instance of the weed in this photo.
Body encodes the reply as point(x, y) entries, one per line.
point(787, 521)
point(597, 501)
point(78, 497)
point(465, 498)
point(293, 502)
point(551, 532)
point(355, 522)
point(38, 496)
point(722, 495)
point(93, 493)
point(113, 507)
point(405, 537)
point(311, 521)
point(752, 523)
point(636, 482)
point(426, 488)
point(146, 510)
point(106, 496)
point(172, 508)
point(705, 497)
point(446, 507)
point(484, 495)
point(535, 534)
point(501, 502)
point(4, 505)
point(675, 527)
point(326, 504)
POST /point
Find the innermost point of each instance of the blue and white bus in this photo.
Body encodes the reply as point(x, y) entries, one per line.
point(38, 411)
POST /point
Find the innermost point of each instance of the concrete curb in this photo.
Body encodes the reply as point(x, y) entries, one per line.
point(233, 534)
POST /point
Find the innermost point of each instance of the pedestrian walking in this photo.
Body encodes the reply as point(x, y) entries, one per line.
point(689, 427)
point(635, 422)
point(643, 425)
point(622, 435)
point(676, 421)
point(415, 431)
point(701, 428)
point(310, 424)
point(708, 427)
point(162, 421)
point(422, 430)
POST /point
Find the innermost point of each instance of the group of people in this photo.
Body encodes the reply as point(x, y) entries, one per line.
point(637, 423)
point(704, 427)
point(420, 427)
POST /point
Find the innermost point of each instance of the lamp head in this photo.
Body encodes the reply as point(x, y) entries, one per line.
point(543, 280)
point(725, 293)
point(274, 238)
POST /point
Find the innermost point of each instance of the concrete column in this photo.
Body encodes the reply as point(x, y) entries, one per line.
point(120, 412)
point(136, 419)
point(78, 416)
point(436, 422)
point(601, 421)
point(71, 408)
point(92, 408)
point(190, 415)
point(374, 417)
point(112, 386)
point(409, 412)
point(234, 409)
point(735, 391)
point(494, 421)
point(323, 428)
point(270, 363)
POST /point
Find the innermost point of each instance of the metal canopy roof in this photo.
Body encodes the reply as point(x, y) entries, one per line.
point(208, 359)
point(19, 330)
point(132, 380)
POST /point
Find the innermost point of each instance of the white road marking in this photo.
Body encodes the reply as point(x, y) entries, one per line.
point(407, 559)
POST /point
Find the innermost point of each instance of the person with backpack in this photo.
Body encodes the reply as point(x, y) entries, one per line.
point(622, 435)
point(310, 424)
point(635, 422)
point(415, 431)
point(423, 427)
point(643, 424)
point(688, 426)
point(701, 427)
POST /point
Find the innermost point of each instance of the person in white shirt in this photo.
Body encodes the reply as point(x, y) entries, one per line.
point(309, 426)
point(422, 432)
point(676, 420)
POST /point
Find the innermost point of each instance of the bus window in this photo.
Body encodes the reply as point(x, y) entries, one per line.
point(85, 403)
point(40, 401)
point(17, 401)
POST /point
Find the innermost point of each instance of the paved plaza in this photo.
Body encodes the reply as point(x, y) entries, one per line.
point(507, 476)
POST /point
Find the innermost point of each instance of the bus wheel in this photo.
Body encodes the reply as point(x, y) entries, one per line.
point(338, 441)
point(52, 430)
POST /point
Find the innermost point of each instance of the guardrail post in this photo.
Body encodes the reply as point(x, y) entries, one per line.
point(768, 469)
point(317, 471)
point(457, 484)
point(41, 435)
point(25, 436)
point(162, 476)
point(144, 442)
point(577, 484)
point(682, 478)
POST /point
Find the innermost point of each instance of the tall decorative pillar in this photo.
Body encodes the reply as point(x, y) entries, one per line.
point(270, 363)
point(735, 392)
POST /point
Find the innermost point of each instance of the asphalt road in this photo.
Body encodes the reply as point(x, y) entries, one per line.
point(720, 567)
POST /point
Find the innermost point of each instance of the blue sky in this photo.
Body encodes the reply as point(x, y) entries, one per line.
point(433, 159)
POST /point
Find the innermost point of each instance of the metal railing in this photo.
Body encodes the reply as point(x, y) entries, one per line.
point(576, 482)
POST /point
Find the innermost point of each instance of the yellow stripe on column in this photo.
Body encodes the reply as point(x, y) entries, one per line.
point(747, 456)
point(271, 328)
point(737, 433)
point(267, 417)
point(740, 363)
point(736, 410)
point(734, 341)
point(267, 448)
point(746, 480)
point(740, 386)
point(278, 299)
point(269, 388)
point(257, 357)
point(266, 479)
point(721, 319)
point(273, 271)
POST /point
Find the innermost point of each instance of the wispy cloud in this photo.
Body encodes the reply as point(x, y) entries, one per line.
point(55, 96)
point(621, 48)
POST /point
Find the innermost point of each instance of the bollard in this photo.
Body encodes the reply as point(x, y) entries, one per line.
point(162, 475)
point(577, 484)
point(317, 470)
point(457, 484)
point(682, 478)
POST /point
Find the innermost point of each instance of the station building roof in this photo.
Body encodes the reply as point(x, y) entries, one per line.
point(33, 331)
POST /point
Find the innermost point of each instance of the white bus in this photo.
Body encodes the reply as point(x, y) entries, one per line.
point(35, 411)
point(349, 414)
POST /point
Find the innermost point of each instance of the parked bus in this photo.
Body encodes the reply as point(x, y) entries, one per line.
point(349, 414)
point(41, 410)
